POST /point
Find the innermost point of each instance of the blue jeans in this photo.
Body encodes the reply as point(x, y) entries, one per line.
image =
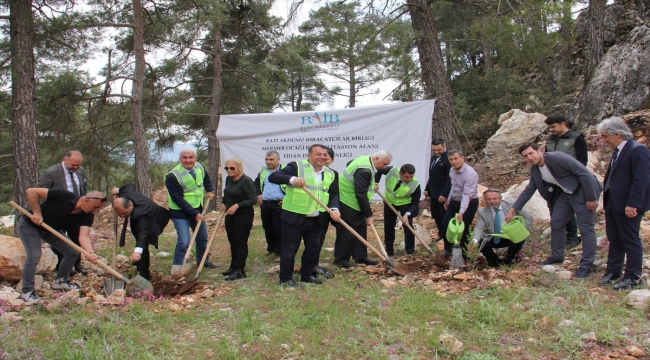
point(183, 231)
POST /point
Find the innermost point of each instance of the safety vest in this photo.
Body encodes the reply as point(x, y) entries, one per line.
point(346, 182)
point(265, 171)
point(193, 191)
point(296, 200)
point(401, 196)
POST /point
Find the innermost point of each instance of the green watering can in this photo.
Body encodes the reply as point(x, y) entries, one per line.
point(455, 230)
point(515, 230)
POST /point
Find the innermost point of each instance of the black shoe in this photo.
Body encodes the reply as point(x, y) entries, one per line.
point(626, 284)
point(571, 243)
point(608, 279)
point(390, 253)
point(323, 272)
point(344, 264)
point(209, 264)
point(228, 272)
point(445, 253)
point(290, 285)
point(582, 273)
point(81, 270)
point(367, 261)
point(311, 279)
point(551, 261)
point(235, 275)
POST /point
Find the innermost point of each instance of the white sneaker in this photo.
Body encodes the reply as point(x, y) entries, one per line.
point(30, 297)
point(62, 284)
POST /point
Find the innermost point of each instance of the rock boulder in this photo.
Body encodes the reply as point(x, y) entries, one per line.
point(517, 127)
point(536, 206)
point(12, 258)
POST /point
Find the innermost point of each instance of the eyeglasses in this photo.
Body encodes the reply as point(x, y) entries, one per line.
point(96, 198)
point(232, 168)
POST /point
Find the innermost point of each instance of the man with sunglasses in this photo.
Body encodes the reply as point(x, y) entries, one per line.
point(66, 213)
point(187, 184)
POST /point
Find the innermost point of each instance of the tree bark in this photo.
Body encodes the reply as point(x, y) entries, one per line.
point(596, 36)
point(215, 105)
point(143, 181)
point(22, 87)
point(434, 76)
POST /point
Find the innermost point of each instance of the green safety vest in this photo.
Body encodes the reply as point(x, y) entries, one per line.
point(265, 171)
point(297, 201)
point(193, 191)
point(401, 196)
point(346, 182)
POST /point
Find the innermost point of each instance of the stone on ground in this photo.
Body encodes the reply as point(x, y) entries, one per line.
point(12, 258)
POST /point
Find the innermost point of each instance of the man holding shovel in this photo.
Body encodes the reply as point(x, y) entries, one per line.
point(187, 184)
point(403, 192)
point(301, 215)
point(148, 220)
point(65, 212)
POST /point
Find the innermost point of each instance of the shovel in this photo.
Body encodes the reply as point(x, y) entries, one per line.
point(381, 244)
point(137, 285)
point(184, 268)
point(406, 223)
point(188, 285)
point(396, 267)
point(113, 284)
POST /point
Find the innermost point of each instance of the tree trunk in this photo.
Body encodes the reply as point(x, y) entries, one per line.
point(566, 30)
point(434, 76)
point(22, 102)
point(143, 181)
point(215, 105)
point(299, 87)
point(596, 36)
point(486, 48)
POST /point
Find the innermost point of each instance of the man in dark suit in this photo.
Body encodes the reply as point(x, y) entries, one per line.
point(301, 215)
point(627, 198)
point(148, 220)
point(439, 184)
point(489, 222)
point(70, 176)
point(568, 188)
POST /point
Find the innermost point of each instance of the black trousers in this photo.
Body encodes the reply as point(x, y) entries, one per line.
point(468, 217)
point(310, 232)
point(238, 228)
point(144, 263)
point(270, 213)
point(59, 255)
point(437, 213)
point(493, 259)
point(347, 244)
point(623, 235)
point(390, 220)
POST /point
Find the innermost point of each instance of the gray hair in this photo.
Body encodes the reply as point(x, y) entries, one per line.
point(615, 126)
point(382, 154)
point(492, 190)
point(185, 151)
point(454, 152)
point(273, 153)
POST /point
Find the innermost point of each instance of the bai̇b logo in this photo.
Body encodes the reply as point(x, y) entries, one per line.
point(317, 119)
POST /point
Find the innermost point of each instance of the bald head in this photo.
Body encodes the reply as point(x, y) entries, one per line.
point(72, 160)
point(122, 207)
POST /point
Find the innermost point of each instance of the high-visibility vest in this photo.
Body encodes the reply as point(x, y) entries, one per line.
point(296, 200)
point(193, 191)
point(346, 182)
point(401, 196)
point(265, 171)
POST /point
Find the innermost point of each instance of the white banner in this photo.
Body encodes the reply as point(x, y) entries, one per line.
point(404, 129)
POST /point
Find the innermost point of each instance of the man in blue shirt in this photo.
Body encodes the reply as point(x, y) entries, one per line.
point(269, 196)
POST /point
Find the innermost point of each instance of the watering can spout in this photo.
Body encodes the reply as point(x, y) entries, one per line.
point(515, 230)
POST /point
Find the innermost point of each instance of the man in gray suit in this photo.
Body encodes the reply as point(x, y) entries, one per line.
point(70, 176)
point(489, 222)
point(568, 188)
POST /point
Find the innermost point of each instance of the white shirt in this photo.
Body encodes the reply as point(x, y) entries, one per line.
point(548, 177)
point(68, 181)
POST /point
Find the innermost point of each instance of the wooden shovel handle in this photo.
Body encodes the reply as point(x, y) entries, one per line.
point(69, 242)
point(381, 245)
point(207, 249)
point(196, 232)
point(407, 224)
point(345, 225)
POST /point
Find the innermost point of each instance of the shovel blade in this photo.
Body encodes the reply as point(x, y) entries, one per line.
point(139, 285)
point(397, 267)
point(111, 285)
point(188, 285)
point(185, 268)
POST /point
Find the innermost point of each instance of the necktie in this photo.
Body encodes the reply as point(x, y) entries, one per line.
point(75, 188)
point(399, 183)
point(434, 162)
point(497, 226)
point(193, 174)
point(614, 155)
point(123, 235)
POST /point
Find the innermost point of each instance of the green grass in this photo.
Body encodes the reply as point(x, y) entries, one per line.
point(349, 317)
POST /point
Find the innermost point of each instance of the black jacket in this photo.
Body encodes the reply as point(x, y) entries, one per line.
point(439, 183)
point(148, 219)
